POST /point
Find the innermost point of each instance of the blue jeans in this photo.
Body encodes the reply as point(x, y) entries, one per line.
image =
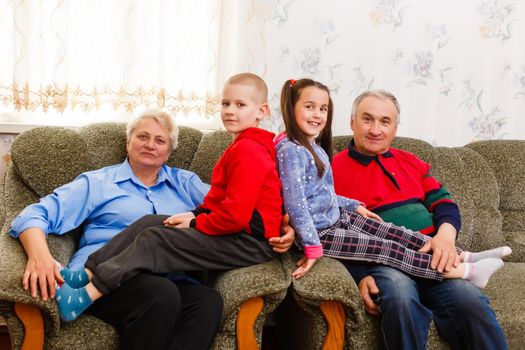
point(408, 304)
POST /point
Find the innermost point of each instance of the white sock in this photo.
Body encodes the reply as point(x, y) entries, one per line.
point(498, 253)
point(480, 272)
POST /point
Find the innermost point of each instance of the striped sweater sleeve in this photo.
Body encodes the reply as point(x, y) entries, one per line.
point(439, 201)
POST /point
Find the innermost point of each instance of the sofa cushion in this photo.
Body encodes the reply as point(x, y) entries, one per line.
point(420, 148)
point(481, 211)
point(505, 292)
point(506, 159)
point(189, 140)
point(473, 186)
point(48, 157)
point(210, 149)
point(106, 144)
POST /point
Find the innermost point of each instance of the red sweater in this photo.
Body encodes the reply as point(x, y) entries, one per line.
point(245, 193)
point(398, 186)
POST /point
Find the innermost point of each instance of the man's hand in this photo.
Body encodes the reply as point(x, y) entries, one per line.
point(367, 213)
point(181, 220)
point(304, 265)
point(42, 271)
point(443, 248)
point(283, 243)
point(368, 290)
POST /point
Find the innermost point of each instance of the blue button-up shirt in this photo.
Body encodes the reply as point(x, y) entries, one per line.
point(106, 201)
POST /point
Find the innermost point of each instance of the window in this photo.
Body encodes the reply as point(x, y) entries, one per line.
point(73, 62)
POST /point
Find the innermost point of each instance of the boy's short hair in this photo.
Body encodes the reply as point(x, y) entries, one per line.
point(253, 80)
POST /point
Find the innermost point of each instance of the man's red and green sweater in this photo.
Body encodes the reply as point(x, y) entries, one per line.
point(396, 185)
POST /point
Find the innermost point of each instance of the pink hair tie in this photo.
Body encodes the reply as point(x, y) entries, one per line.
point(292, 82)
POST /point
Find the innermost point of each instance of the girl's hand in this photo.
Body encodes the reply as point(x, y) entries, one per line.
point(178, 219)
point(304, 266)
point(367, 213)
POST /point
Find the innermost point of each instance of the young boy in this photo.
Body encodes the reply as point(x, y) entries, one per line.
point(229, 230)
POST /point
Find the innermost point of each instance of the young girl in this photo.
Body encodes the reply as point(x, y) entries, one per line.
point(338, 227)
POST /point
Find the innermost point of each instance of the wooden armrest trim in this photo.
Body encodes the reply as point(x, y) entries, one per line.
point(335, 315)
point(246, 318)
point(33, 322)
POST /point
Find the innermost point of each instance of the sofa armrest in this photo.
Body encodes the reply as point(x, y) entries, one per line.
point(327, 280)
point(12, 264)
point(267, 281)
point(327, 284)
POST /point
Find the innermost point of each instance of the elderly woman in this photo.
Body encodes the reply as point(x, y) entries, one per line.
point(149, 311)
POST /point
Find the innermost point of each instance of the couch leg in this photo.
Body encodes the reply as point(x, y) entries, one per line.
point(33, 322)
point(335, 315)
point(246, 318)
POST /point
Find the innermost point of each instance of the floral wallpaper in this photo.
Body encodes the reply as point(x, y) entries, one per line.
point(457, 67)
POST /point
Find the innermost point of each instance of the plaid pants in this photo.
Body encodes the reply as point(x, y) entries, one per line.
point(354, 237)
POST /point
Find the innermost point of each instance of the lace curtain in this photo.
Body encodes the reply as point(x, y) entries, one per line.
point(119, 56)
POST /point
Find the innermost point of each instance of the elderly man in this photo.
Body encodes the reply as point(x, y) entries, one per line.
point(400, 188)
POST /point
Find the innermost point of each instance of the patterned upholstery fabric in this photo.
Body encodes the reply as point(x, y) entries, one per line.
point(210, 149)
point(485, 178)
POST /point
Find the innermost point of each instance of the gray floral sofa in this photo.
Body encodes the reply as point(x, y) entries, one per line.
point(321, 310)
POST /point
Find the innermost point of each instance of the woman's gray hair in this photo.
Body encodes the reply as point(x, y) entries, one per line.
point(161, 117)
point(380, 94)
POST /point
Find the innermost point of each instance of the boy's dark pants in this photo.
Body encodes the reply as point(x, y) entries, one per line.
point(148, 245)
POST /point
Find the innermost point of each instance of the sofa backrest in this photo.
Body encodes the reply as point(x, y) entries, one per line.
point(506, 161)
point(48, 157)
point(106, 144)
point(472, 184)
point(210, 149)
point(485, 178)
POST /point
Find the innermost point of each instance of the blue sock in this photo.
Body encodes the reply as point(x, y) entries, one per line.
point(71, 302)
point(75, 278)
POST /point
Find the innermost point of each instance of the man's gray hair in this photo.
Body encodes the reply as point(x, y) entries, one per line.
point(380, 94)
point(161, 117)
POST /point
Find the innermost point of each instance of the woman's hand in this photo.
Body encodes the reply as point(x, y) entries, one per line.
point(181, 220)
point(304, 266)
point(367, 213)
point(41, 272)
